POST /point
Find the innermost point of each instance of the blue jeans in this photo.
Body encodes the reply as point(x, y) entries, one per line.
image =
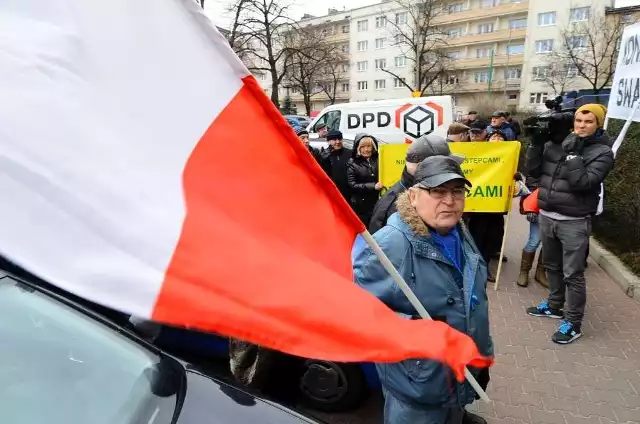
point(534, 238)
point(398, 412)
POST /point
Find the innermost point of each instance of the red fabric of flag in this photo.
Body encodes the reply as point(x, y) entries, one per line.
point(265, 252)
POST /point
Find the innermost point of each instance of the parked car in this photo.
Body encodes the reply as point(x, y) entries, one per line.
point(63, 363)
point(301, 120)
point(294, 123)
point(325, 385)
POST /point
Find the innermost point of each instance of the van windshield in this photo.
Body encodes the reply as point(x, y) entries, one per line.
point(331, 119)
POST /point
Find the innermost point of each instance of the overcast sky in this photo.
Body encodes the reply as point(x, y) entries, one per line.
point(216, 8)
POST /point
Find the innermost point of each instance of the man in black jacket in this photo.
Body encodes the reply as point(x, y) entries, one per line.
point(334, 160)
point(570, 174)
point(428, 145)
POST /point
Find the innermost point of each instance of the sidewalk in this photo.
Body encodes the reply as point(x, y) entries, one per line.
point(594, 380)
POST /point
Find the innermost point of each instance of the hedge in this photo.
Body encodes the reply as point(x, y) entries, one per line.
point(618, 228)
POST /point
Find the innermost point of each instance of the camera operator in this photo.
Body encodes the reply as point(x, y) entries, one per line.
point(570, 172)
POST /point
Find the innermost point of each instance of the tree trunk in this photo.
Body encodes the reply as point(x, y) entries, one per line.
point(275, 96)
point(307, 103)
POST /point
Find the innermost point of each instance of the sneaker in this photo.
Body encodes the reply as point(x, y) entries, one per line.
point(543, 310)
point(566, 333)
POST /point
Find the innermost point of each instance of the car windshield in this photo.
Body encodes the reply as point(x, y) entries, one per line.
point(60, 366)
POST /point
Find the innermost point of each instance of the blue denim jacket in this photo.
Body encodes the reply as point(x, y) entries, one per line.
point(406, 241)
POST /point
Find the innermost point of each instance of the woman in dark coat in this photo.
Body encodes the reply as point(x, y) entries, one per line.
point(362, 176)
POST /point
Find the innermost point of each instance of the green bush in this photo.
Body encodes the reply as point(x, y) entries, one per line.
point(618, 228)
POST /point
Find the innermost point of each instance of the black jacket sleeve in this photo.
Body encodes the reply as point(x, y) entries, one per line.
point(589, 177)
point(352, 179)
point(385, 207)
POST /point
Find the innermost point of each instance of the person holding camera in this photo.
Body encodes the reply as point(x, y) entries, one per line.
point(570, 173)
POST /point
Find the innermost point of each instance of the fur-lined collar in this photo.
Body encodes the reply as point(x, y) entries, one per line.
point(410, 216)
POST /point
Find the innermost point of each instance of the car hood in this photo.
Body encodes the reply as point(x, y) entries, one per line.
point(211, 401)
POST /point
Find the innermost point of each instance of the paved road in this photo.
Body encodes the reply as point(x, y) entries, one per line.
point(595, 380)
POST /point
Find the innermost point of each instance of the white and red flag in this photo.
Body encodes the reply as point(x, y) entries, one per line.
point(142, 167)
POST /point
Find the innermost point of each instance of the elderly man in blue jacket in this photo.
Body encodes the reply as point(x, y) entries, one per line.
point(499, 122)
point(433, 251)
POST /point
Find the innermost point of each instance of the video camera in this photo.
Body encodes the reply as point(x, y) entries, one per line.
point(554, 125)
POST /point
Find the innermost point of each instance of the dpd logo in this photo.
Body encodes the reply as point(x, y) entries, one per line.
point(418, 120)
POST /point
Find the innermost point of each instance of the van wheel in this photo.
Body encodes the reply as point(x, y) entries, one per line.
point(332, 386)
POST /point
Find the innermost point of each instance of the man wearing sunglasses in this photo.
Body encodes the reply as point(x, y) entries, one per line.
point(435, 254)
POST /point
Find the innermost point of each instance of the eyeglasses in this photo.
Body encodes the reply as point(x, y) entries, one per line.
point(439, 193)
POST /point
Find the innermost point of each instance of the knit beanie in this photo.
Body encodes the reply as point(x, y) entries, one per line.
point(599, 111)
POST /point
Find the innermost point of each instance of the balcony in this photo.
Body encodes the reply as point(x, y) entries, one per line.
point(320, 97)
point(497, 85)
point(338, 37)
point(478, 13)
point(499, 60)
point(487, 37)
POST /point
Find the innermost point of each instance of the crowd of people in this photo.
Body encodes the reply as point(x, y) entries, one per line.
point(444, 253)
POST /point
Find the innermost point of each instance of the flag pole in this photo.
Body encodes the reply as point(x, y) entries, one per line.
point(504, 244)
point(413, 299)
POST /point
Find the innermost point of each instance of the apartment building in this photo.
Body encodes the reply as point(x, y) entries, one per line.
point(495, 48)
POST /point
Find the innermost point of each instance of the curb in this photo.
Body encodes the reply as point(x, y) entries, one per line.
point(615, 269)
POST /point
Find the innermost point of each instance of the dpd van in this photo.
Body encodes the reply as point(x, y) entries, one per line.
point(391, 121)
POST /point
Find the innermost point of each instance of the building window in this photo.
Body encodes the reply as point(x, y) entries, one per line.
point(399, 39)
point(380, 84)
point(362, 66)
point(345, 67)
point(454, 55)
point(512, 97)
point(363, 46)
point(345, 87)
point(482, 77)
point(345, 48)
point(513, 73)
point(515, 49)
point(452, 79)
point(381, 63)
point(401, 61)
point(544, 46)
point(518, 23)
point(577, 42)
point(540, 72)
point(538, 98)
point(363, 26)
point(626, 18)
point(455, 32)
point(579, 14)
point(485, 28)
point(546, 19)
point(398, 82)
point(488, 3)
point(485, 52)
point(572, 70)
point(363, 85)
point(402, 18)
point(379, 43)
point(455, 8)
point(381, 21)
point(345, 29)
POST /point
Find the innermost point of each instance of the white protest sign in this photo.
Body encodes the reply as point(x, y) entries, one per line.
point(625, 91)
point(624, 101)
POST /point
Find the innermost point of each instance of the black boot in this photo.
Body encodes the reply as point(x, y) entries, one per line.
point(470, 418)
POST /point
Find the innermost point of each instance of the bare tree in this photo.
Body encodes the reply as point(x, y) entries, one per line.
point(420, 40)
point(331, 76)
point(591, 48)
point(307, 53)
point(559, 74)
point(258, 31)
point(447, 80)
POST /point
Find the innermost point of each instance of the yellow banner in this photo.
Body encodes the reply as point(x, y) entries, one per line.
point(489, 166)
